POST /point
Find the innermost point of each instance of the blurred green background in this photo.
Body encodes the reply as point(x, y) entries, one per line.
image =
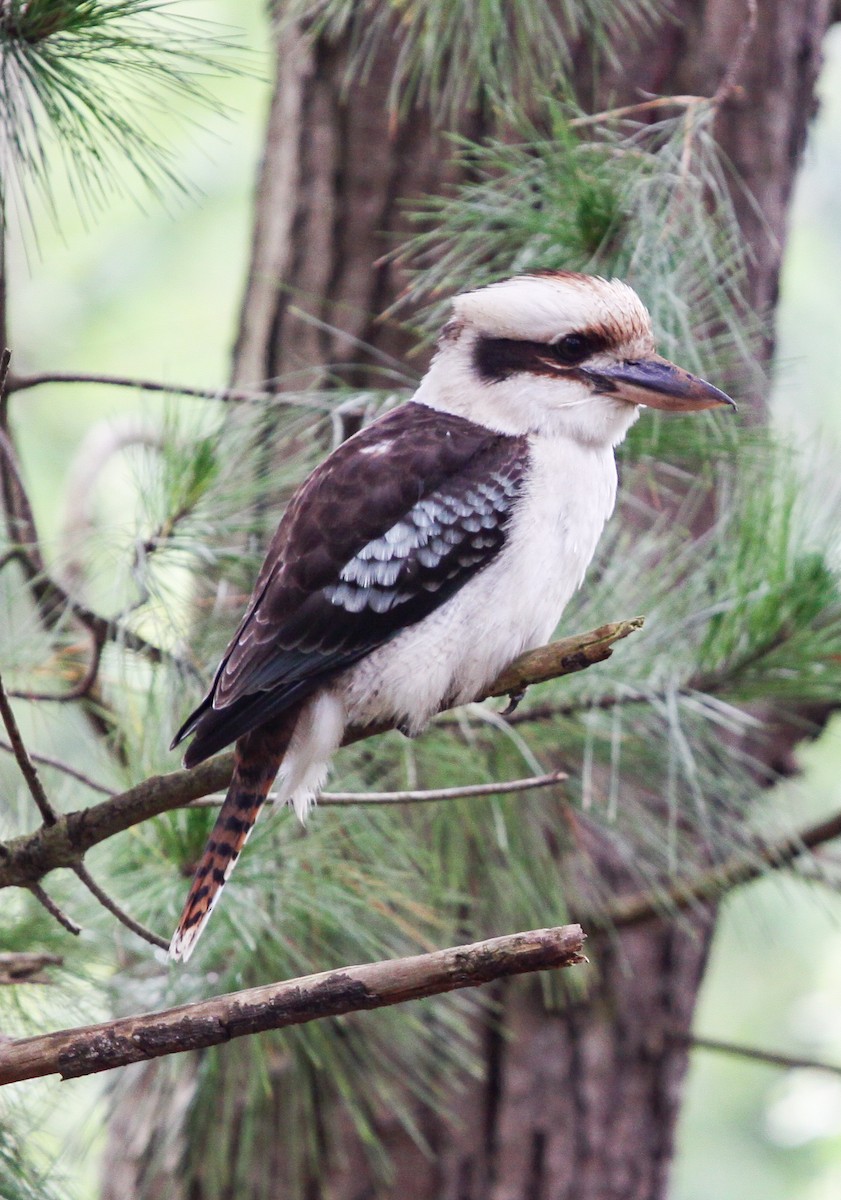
point(153, 291)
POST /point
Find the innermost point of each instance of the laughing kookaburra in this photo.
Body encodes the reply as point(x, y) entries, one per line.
point(434, 546)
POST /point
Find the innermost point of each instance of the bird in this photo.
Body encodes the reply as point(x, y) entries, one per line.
point(432, 547)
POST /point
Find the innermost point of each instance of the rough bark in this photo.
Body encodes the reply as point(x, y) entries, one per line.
point(336, 169)
point(582, 1102)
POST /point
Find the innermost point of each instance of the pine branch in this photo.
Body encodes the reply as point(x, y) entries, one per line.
point(420, 796)
point(28, 858)
point(226, 395)
point(712, 884)
point(83, 84)
point(84, 1051)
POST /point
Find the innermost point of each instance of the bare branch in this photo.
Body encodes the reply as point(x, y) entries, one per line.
point(711, 885)
point(75, 1052)
point(65, 768)
point(770, 1057)
point(20, 383)
point(52, 908)
point(64, 844)
point(50, 817)
point(5, 359)
point(20, 519)
point(27, 767)
point(25, 966)
point(420, 796)
point(633, 110)
point(79, 691)
point(122, 916)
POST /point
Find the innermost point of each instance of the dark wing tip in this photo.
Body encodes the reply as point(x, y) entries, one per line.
point(191, 724)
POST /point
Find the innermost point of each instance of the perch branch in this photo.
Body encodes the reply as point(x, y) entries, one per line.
point(29, 857)
point(83, 1051)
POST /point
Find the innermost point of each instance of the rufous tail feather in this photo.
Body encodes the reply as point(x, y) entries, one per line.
point(258, 756)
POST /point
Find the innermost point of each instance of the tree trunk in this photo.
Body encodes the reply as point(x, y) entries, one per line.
point(336, 169)
point(581, 1102)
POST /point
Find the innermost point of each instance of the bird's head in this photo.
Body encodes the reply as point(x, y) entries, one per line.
point(557, 353)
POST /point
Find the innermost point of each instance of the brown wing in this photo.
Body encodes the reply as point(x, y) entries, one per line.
point(390, 526)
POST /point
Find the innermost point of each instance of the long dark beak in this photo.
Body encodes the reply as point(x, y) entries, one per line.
point(657, 383)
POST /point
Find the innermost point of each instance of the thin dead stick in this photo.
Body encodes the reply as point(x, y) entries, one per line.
point(29, 857)
point(113, 907)
point(45, 761)
point(420, 796)
point(52, 908)
point(84, 1051)
point(770, 1057)
point(5, 359)
point(27, 767)
point(20, 383)
point(631, 110)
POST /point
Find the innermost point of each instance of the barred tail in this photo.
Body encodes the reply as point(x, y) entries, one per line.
point(258, 757)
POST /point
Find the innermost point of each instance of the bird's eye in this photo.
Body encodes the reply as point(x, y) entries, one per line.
point(573, 349)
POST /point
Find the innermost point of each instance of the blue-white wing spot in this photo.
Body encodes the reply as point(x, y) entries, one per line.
point(439, 538)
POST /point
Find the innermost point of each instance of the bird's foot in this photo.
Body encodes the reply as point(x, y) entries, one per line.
point(514, 699)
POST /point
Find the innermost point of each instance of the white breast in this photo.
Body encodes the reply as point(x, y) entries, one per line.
point(512, 605)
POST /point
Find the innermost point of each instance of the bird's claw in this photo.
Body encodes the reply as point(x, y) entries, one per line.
point(514, 699)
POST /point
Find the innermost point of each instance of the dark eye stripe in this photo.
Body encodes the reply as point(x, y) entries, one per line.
point(496, 359)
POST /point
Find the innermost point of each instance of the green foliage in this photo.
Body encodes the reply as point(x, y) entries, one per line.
point(19, 1180)
point(82, 83)
point(457, 54)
